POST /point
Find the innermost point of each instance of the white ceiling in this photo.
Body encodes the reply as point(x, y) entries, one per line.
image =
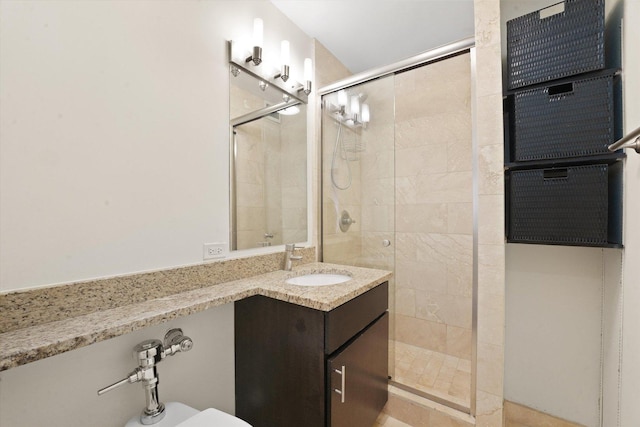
point(365, 34)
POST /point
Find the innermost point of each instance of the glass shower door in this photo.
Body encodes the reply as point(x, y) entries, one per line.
point(434, 231)
point(358, 184)
point(398, 195)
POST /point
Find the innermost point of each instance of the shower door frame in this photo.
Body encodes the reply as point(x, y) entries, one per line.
point(422, 59)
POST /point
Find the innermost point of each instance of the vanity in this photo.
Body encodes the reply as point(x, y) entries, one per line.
point(305, 355)
point(45, 322)
point(298, 366)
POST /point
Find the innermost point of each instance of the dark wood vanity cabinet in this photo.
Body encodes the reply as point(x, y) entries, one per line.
point(297, 366)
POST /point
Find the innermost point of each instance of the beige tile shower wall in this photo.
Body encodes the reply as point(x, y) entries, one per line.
point(329, 69)
point(434, 206)
point(338, 247)
point(250, 168)
point(271, 175)
point(271, 152)
point(377, 176)
point(377, 171)
point(293, 167)
point(342, 191)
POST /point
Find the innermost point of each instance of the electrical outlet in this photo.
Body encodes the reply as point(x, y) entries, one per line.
point(214, 250)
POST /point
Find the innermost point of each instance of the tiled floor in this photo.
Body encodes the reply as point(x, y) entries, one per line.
point(386, 421)
point(438, 374)
point(516, 415)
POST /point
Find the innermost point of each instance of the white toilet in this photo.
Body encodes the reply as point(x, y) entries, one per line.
point(180, 415)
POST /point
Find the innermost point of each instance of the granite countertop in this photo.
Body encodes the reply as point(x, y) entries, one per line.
point(25, 345)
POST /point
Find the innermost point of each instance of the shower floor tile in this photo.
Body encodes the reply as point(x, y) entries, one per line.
point(441, 375)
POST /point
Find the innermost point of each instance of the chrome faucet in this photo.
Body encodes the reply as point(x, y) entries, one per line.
point(148, 354)
point(289, 248)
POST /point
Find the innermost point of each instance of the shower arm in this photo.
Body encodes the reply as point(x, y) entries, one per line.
point(632, 140)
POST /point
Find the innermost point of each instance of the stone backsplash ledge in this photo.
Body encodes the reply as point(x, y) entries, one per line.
point(23, 309)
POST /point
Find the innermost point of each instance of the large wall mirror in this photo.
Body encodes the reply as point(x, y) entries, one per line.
point(268, 164)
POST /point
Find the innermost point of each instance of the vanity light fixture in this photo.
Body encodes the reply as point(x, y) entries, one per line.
point(307, 75)
point(285, 59)
point(350, 110)
point(258, 32)
point(284, 76)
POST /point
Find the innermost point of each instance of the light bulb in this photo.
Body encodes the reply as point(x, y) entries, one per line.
point(284, 60)
point(355, 104)
point(307, 69)
point(342, 98)
point(258, 27)
point(365, 113)
point(256, 51)
point(307, 75)
point(284, 52)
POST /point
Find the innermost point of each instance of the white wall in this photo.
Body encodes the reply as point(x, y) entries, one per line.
point(61, 391)
point(553, 330)
point(114, 159)
point(114, 132)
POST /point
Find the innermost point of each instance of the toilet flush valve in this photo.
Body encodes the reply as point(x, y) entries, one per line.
point(175, 341)
point(148, 354)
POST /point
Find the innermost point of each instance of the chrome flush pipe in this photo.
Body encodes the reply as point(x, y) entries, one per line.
point(148, 354)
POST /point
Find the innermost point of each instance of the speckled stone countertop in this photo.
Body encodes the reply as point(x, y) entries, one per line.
point(43, 339)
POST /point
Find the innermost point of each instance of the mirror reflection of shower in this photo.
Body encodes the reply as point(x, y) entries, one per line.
point(351, 114)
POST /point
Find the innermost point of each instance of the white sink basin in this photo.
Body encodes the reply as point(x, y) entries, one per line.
point(318, 279)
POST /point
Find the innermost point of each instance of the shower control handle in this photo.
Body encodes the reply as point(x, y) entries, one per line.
point(346, 221)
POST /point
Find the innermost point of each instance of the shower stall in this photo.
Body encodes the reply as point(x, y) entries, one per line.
point(398, 191)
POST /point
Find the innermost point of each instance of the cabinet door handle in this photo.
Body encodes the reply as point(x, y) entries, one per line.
point(343, 375)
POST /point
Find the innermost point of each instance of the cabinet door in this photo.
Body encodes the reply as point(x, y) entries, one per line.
point(358, 377)
point(280, 364)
